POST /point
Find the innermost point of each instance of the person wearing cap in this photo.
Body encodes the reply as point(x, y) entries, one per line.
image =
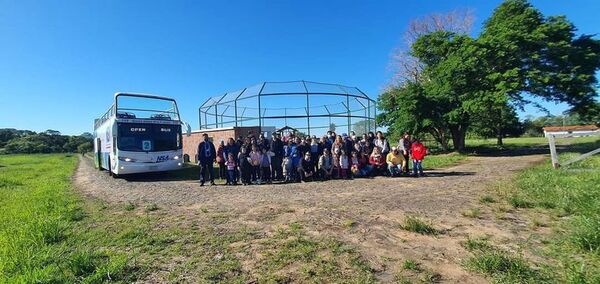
point(394, 161)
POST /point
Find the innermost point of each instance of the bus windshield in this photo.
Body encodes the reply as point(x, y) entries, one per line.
point(141, 137)
point(130, 106)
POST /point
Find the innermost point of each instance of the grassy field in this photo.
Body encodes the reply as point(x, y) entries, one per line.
point(565, 203)
point(40, 234)
point(50, 235)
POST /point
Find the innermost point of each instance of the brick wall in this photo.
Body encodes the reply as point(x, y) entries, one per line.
point(190, 143)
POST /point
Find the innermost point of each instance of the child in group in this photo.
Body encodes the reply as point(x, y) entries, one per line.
point(245, 167)
point(364, 166)
point(336, 166)
point(287, 169)
point(354, 165)
point(255, 158)
point(296, 159)
point(344, 164)
point(419, 151)
point(265, 167)
point(231, 165)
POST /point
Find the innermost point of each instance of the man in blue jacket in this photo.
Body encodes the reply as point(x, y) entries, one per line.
point(206, 156)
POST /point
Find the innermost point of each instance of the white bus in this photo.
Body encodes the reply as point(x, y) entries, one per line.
point(139, 133)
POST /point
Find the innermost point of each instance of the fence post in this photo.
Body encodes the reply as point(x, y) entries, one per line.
point(553, 155)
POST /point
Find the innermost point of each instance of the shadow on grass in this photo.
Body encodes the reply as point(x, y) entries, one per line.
point(447, 174)
point(189, 172)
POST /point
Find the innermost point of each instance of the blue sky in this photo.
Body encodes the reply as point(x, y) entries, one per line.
point(61, 61)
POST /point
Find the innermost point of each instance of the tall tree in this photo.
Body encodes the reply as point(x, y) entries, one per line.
point(408, 109)
point(527, 53)
point(518, 52)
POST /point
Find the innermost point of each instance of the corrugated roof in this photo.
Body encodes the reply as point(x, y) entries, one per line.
point(590, 127)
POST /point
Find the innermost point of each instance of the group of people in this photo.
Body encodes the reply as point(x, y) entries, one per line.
point(257, 160)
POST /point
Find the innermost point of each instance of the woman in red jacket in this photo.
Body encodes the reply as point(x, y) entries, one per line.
point(377, 161)
point(418, 154)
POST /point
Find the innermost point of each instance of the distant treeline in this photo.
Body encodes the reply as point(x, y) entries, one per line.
point(14, 141)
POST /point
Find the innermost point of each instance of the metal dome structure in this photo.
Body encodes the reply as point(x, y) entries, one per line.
point(311, 107)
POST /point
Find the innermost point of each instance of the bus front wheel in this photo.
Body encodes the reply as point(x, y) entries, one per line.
point(110, 171)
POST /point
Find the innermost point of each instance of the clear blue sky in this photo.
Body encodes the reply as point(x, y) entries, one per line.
point(61, 61)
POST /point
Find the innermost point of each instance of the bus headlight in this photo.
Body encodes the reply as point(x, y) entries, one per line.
point(125, 159)
point(176, 158)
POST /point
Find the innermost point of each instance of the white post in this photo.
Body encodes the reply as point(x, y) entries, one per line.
point(553, 155)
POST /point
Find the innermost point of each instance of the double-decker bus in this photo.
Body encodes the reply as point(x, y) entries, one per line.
point(139, 133)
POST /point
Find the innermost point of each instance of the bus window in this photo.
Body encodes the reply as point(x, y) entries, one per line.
point(140, 137)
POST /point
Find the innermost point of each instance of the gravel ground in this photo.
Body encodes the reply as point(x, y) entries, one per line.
point(375, 207)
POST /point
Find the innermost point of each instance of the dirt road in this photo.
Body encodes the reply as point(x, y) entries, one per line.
point(366, 213)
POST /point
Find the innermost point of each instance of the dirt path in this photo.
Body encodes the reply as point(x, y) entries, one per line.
point(363, 212)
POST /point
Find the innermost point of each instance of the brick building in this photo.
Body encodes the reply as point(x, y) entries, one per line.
point(190, 143)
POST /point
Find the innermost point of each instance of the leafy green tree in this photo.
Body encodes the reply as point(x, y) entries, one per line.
point(519, 51)
point(408, 109)
point(24, 141)
point(451, 69)
point(527, 53)
point(498, 123)
point(84, 147)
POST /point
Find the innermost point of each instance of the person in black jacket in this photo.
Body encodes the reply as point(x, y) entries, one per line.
point(277, 159)
point(206, 156)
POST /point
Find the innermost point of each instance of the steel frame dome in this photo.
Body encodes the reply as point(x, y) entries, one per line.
point(291, 103)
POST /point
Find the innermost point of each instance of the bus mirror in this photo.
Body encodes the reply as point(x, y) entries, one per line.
point(188, 129)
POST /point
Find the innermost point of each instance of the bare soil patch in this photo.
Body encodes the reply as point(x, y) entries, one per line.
point(364, 213)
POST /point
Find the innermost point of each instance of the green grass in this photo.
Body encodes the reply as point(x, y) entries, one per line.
point(476, 244)
point(487, 199)
point(416, 225)
point(49, 234)
point(442, 160)
point(412, 265)
point(503, 267)
point(471, 213)
point(572, 198)
point(291, 256)
point(39, 236)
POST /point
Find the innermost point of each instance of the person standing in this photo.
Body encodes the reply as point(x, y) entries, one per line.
point(277, 159)
point(418, 152)
point(382, 144)
point(221, 159)
point(404, 146)
point(206, 157)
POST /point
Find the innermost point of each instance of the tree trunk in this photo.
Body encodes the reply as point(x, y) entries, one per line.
point(458, 137)
point(499, 135)
point(440, 136)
